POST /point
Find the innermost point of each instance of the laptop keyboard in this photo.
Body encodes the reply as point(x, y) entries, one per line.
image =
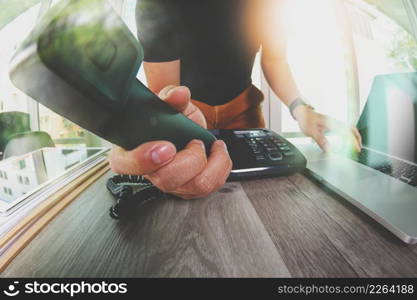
point(390, 166)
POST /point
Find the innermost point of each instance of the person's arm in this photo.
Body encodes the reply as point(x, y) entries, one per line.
point(162, 74)
point(274, 51)
point(281, 80)
point(157, 25)
point(278, 73)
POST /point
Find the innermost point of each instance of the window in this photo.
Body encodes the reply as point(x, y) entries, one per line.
point(337, 47)
point(317, 53)
point(7, 190)
point(383, 41)
point(62, 131)
point(17, 19)
point(22, 164)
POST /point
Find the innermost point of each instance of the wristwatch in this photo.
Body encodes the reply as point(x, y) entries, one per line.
point(297, 102)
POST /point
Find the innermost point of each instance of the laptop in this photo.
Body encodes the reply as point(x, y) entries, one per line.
point(382, 179)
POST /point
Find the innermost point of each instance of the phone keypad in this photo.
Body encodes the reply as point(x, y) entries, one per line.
point(266, 146)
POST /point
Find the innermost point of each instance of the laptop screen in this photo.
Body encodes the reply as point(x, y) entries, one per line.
point(389, 120)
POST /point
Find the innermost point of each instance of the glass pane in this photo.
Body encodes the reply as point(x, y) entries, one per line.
point(11, 35)
point(54, 2)
point(62, 131)
point(317, 56)
point(29, 172)
point(10, 9)
point(382, 39)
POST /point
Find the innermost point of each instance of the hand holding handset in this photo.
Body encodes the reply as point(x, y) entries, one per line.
point(81, 61)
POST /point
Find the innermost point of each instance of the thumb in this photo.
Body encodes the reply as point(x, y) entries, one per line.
point(145, 159)
point(178, 97)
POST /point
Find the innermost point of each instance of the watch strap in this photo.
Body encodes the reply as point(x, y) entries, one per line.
point(297, 102)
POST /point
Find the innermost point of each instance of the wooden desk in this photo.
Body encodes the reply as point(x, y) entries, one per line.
point(263, 228)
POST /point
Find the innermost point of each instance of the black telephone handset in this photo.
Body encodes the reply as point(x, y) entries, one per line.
point(81, 61)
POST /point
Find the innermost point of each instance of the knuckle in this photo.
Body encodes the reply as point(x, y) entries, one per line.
point(229, 164)
point(204, 185)
point(187, 197)
point(114, 167)
point(198, 158)
point(163, 183)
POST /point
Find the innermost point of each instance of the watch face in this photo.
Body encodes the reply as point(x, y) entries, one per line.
point(87, 44)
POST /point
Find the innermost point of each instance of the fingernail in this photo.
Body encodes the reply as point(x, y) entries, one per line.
point(224, 145)
point(162, 154)
point(166, 92)
point(202, 145)
point(169, 92)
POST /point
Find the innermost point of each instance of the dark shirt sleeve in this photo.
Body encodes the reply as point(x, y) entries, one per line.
point(157, 25)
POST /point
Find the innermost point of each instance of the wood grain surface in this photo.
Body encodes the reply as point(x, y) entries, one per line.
point(296, 228)
point(278, 227)
point(217, 236)
point(371, 249)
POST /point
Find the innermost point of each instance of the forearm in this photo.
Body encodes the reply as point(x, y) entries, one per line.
point(280, 78)
point(160, 75)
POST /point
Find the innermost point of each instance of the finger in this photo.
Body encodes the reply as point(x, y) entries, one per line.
point(322, 142)
point(329, 124)
point(186, 165)
point(358, 138)
point(147, 158)
point(212, 177)
point(180, 99)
